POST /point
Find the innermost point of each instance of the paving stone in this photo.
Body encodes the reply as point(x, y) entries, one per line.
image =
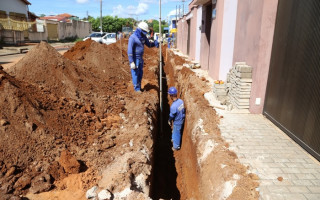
point(297, 160)
point(278, 189)
point(312, 196)
point(303, 182)
point(281, 160)
point(294, 165)
point(317, 175)
point(266, 182)
point(314, 171)
point(316, 182)
point(273, 170)
point(284, 182)
point(273, 197)
point(306, 176)
point(314, 189)
point(294, 197)
point(298, 189)
point(291, 170)
point(290, 176)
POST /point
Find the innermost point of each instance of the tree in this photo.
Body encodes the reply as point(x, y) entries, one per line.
point(110, 24)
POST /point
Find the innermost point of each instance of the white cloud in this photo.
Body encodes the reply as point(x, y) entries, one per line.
point(141, 9)
point(82, 1)
point(174, 12)
point(118, 11)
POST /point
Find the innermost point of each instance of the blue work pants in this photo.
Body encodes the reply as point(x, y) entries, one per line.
point(137, 74)
point(176, 135)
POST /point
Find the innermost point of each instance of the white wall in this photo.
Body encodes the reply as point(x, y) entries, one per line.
point(198, 34)
point(75, 29)
point(65, 30)
point(228, 36)
point(14, 6)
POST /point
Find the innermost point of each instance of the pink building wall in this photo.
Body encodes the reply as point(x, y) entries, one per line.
point(182, 42)
point(215, 41)
point(205, 39)
point(193, 33)
point(253, 43)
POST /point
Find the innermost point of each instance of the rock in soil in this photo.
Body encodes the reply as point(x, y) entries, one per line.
point(69, 163)
point(41, 183)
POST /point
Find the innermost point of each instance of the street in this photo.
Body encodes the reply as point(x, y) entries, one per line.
point(9, 60)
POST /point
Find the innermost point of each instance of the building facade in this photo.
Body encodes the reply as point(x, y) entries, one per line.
point(279, 40)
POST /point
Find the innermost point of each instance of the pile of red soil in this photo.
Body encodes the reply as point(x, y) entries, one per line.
point(60, 115)
point(35, 126)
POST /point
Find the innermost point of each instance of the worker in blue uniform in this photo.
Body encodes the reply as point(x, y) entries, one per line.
point(135, 53)
point(177, 115)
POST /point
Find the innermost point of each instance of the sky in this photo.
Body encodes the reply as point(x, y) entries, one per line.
point(138, 9)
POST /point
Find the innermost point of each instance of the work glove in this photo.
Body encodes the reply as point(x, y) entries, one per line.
point(156, 43)
point(169, 122)
point(133, 66)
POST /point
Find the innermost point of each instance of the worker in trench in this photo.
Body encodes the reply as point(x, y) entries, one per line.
point(135, 53)
point(177, 115)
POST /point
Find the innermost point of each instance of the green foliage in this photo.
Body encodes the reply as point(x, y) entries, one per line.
point(110, 24)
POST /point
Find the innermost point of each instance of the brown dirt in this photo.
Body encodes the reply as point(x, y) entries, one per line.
point(84, 105)
point(210, 176)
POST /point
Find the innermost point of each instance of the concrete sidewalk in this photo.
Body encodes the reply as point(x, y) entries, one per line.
point(286, 170)
point(273, 156)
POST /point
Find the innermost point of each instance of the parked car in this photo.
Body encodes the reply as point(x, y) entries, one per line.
point(96, 36)
point(109, 38)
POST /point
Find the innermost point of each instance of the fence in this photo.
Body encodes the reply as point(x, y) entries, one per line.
point(10, 24)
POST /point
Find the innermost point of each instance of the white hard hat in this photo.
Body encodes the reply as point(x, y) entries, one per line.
point(144, 26)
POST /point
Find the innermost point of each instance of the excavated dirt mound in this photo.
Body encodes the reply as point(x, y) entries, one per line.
point(35, 126)
point(66, 120)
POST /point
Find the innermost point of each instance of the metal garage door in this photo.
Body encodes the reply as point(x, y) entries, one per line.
point(52, 31)
point(293, 91)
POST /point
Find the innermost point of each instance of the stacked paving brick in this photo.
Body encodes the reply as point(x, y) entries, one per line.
point(239, 81)
point(220, 91)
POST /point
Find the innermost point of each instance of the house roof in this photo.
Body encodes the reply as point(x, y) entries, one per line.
point(26, 2)
point(65, 15)
point(54, 18)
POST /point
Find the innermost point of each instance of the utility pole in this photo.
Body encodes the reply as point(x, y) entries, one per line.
point(179, 11)
point(183, 7)
point(176, 14)
point(160, 71)
point(101, 16)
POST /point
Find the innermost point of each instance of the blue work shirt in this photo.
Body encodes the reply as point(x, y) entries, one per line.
point(136, 45)
point(177, 112)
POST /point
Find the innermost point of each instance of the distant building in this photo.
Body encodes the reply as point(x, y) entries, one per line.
point(15, 20)
point(18, 25)
point(65, 17)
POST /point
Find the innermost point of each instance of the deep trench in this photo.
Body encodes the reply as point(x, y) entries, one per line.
point(164, 174)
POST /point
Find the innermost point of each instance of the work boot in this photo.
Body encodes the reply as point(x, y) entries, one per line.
point(175, 149)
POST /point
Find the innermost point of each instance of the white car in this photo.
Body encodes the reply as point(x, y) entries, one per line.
point(96, 36)
point(109, 38)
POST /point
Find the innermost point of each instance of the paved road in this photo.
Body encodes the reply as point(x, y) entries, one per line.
point(9, 60)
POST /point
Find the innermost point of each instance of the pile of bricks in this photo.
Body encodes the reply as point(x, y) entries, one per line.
point(239, 81)
point(220, 91)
